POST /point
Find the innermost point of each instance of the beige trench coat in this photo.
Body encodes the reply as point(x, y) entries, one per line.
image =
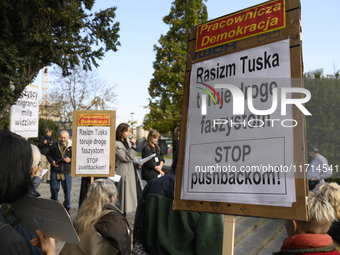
point(127, 191)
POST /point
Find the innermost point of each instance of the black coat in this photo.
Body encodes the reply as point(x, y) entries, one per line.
point(148, 169)
point(44, 148)
point(11, 241)
point(55, 154)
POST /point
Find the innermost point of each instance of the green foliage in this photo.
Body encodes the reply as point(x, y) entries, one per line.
point(166, 86)
point(323, 126)
point(4, 121)
point(35, 34)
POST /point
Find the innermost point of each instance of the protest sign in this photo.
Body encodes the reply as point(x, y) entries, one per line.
point(24, 119)
point(244, 129)
point(93, 143)
point(93, 150)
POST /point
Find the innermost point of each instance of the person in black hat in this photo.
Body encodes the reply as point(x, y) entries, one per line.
point(318, 169)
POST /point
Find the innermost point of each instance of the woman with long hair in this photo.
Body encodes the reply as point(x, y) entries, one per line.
point(125, 159)
point(101, 227)
point(152, 168)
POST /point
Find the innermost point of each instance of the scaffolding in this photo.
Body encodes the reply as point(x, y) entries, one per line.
point(45, 86)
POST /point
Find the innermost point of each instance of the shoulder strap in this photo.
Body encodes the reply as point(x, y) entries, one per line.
point(139, 222)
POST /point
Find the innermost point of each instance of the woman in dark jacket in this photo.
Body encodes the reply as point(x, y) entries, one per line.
point(152, 168)
point(101, 227)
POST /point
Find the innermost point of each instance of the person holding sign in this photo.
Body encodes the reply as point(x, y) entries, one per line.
point(125, 157)
point(152, 168)
point(60, 156)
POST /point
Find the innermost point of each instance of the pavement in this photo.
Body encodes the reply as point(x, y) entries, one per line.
point(167, 164)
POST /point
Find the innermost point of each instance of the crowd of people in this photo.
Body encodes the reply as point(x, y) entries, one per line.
point(101, 222)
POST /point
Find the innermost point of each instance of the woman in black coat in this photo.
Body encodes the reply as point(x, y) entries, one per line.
point(152, 168)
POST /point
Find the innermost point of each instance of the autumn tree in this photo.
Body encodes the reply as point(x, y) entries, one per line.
point(36, 33)
point(80, 90)
point(166, 86)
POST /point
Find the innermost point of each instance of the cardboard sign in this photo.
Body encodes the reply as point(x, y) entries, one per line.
point(46, 215)
point(225, 151)
point(25, 113)
point(93, 143)
point(227, 86)
point(93, 150)
point(94, 119)
point(257, 20)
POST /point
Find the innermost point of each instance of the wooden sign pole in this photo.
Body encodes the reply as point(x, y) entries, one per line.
point(228, 235)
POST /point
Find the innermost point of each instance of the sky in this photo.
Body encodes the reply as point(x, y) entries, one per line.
point(141, 25)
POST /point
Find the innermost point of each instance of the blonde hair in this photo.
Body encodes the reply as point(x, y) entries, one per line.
point(332, 193)
point(36, 156)
point(321, 215)
point(98, 196)
point(152, 134)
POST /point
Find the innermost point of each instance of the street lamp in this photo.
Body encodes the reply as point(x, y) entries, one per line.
point(132, 121)
point(46, 114)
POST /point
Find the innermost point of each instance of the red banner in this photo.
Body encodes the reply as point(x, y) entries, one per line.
point(94, 120)
point(254, 21)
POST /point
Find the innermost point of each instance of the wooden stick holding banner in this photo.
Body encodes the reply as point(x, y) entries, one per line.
point(228, 235)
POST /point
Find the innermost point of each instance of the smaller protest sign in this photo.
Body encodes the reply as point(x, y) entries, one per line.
point(25, 113)
point(93, 150)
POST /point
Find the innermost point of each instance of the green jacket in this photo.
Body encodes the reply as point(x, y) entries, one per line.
point(166, 231)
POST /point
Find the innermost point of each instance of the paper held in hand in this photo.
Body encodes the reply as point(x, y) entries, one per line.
point(43, 172)
point(142, 161)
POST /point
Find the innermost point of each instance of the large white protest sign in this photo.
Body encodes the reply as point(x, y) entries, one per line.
point(93, 150)
point(25, 113)
point(241, 158)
